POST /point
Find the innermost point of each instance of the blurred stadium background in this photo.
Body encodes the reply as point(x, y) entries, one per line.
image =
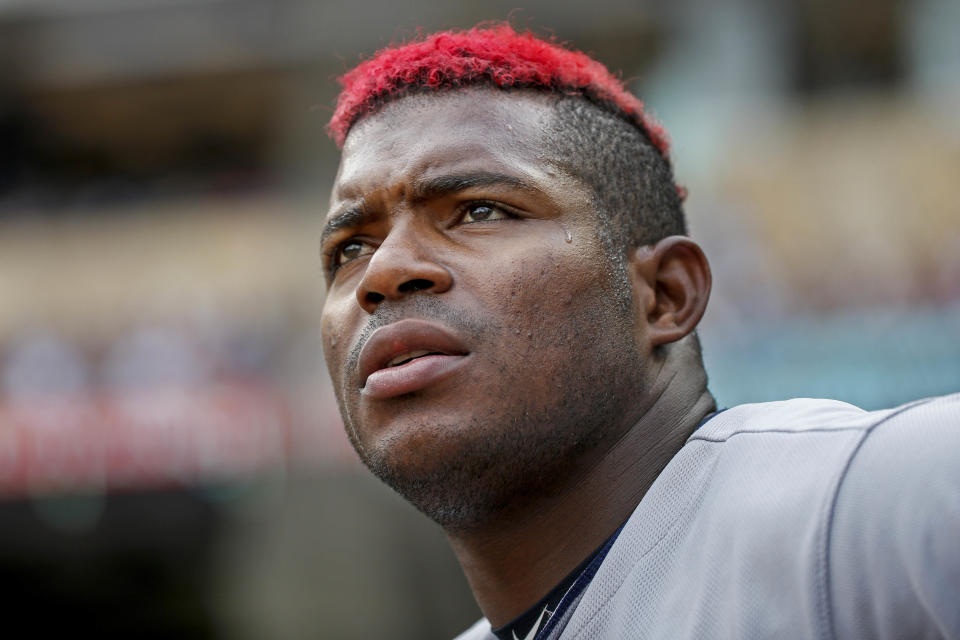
point(171, 459)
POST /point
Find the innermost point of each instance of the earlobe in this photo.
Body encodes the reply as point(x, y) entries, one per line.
point(672, 280)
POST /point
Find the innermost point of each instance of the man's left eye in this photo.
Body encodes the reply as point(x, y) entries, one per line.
point(480, 212)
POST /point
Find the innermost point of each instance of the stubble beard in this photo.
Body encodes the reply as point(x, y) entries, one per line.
point(492, 469)
point(514, 451)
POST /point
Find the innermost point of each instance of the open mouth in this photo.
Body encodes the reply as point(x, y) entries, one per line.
point(411, 371)
point(404, 358)
point(408, 355)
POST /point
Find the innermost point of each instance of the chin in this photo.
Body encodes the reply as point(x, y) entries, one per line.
point(441, 474)
point(469, 473)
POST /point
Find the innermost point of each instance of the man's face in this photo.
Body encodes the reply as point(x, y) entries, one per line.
point(481, 342)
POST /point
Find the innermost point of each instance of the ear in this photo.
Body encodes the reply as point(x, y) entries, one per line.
point(672, 280)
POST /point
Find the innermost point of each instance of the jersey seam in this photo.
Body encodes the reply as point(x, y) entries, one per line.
point(826, 603)
point(772, 430)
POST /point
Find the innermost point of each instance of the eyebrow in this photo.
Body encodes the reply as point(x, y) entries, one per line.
point(359, 214)
point(353, 216)
point(453, 183)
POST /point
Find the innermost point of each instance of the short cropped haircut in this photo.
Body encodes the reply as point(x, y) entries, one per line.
point(601, 132)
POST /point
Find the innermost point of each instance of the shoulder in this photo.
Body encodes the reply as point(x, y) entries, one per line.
point(793, 519)
point(799, 415)
point(906, 465)
point(904, 460)
point(916, 425)
point(888, 469)
point(893, 557)
point(782, 451)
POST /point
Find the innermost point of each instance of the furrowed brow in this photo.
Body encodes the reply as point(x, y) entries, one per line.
point(452, 183)
point(353, 216)
point(437, 187)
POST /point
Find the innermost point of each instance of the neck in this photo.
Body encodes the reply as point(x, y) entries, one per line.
point(513, 562)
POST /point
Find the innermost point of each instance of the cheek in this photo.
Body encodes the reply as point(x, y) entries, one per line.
point(547, 306)
point(553, 287)
point(334, 323)
point(547, 303)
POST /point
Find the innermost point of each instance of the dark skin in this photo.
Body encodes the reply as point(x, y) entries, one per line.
point(571, 385)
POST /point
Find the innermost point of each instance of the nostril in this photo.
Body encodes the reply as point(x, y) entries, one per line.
point(410, 286)
point(418, 284)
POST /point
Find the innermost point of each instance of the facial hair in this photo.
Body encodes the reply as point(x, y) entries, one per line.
point(535, 432)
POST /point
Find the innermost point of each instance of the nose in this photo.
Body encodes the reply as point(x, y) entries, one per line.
point(399, 267)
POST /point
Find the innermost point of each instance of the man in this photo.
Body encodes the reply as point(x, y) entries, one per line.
point(509, 327)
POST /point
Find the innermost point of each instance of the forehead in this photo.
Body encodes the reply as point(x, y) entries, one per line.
point(415, 136)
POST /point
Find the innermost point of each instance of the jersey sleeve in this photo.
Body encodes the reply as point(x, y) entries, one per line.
point(893, 556)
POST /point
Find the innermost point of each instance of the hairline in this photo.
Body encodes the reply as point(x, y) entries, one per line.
point(377, 103)
point(549, 97)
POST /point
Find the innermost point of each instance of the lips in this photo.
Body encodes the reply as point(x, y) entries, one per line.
point(408, 356)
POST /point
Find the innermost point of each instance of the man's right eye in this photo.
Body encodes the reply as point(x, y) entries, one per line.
point(349, 251)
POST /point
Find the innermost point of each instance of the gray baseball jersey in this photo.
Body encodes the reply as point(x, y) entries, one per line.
point(795, 519)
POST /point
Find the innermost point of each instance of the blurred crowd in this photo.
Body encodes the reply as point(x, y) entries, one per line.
point(162, 404)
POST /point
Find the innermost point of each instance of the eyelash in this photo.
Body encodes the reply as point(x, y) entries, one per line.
point(466, 206)
point(331, 254)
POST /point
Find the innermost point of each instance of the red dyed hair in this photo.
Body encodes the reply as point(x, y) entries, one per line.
point(487, 54)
